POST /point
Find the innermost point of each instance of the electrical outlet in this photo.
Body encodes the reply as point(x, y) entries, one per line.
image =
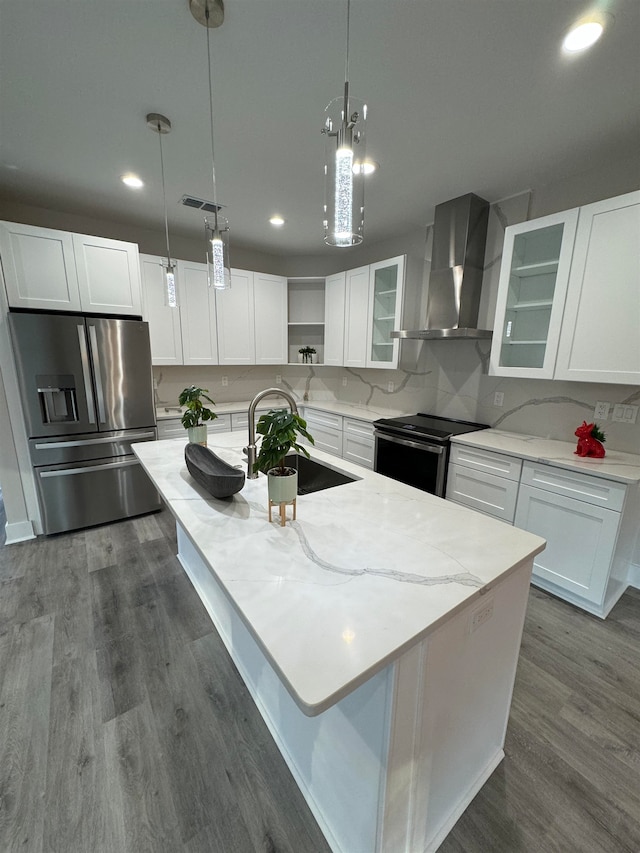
point(498, 399)
point(225, 381)
point(390, 387)
point(278, 379)
point(482, 614)
point(601, 411)
point(344, 381)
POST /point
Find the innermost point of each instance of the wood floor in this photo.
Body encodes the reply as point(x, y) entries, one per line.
point(124, 727)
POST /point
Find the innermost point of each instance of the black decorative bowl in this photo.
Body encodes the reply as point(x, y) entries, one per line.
point(214, 474)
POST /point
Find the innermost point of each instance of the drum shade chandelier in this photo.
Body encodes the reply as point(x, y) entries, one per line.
point(344, 172)
point(161, 125)
point(210, 13)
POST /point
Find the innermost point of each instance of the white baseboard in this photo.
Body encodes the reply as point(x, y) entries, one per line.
point(633, 578)
point(19, 531)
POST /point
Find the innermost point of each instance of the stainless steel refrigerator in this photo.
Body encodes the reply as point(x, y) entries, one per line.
point(87, 394)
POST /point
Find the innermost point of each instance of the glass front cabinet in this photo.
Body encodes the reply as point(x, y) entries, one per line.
point(533, 282)
point(386, 280)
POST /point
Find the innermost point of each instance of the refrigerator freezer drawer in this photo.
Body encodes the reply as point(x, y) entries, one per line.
point(83, 448)
point(81, 495)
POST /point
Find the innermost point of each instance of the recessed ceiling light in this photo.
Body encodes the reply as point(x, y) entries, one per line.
point(277, 221)
point(132, 181)
point(585, 33)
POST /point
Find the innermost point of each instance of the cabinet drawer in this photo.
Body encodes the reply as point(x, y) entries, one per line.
point(171, 428)
point(358, 449)
point(240, 420)
point(486, 460)
point(574, 484)
point(221, 424)
point(322, 419)
point(362, 429)
point(495, 496)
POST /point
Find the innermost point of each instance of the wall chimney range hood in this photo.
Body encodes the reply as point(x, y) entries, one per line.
point(455, 280)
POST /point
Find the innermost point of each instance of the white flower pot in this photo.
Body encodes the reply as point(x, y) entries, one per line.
point(197, 434)
point(282, 489)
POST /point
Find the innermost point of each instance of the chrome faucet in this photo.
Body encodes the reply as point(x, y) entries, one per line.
point(250, 449)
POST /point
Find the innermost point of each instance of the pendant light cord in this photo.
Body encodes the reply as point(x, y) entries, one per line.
point(164, 196)
point(213, 160)
point(346, 62)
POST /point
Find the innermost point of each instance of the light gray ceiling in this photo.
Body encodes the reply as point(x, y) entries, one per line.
point(464, 95)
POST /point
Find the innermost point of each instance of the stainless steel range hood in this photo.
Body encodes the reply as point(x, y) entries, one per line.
point(455, 280)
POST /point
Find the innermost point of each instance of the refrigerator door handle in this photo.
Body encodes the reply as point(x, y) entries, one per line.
point(86, 374)
point(63, 472)
point(102, 417)
point(84, 442)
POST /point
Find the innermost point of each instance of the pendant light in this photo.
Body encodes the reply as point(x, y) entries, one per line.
point(345, 118)
point(210, 13)
point(161, 125)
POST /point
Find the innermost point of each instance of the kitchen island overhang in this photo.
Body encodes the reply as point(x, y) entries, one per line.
point(390, 618)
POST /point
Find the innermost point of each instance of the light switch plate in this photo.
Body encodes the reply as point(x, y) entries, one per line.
point(624, 414)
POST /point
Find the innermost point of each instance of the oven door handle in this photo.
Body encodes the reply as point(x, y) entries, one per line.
point(417, 445)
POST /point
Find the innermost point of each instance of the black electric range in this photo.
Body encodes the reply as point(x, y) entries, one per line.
point(414, 449)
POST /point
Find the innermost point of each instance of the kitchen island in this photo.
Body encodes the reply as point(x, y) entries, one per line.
point(378, 635)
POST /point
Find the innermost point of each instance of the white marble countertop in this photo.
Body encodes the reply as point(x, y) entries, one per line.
point(616, 465)
point(368, 569)
point(349, 410)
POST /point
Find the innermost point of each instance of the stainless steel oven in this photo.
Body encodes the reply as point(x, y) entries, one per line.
point(414, 449)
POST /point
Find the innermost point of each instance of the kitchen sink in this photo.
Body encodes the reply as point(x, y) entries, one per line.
point(314, 476)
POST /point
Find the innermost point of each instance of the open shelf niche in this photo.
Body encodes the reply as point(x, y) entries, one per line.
point(306, 316)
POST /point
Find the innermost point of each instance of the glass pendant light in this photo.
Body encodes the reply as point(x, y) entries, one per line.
point(210, 13)
point(344, 127)
point(161, 125)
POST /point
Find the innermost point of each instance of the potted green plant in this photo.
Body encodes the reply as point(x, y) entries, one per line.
point(192, 419)
point(307, 354)
point(280, 429)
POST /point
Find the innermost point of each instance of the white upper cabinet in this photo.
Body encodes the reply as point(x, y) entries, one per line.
point(236, 320)
point(600, 339)
point(536, 261)
point(108, 275)
point(252, 319)
point(270, 323)
point(356, 321)
point(58, 271)
point(386, 286)
point(334, 318)
point(373, 308)
point(164, 322)
point(39, 267)
point(197, 314)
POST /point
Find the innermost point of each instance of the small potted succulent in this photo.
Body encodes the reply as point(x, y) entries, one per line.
point(280, 430)
point(192, 419)
point(307, 354)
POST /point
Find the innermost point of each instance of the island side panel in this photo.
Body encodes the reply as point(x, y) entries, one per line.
point(452, 696)
point(337, 758)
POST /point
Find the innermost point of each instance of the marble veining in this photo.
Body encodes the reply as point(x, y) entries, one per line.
point(465, 578)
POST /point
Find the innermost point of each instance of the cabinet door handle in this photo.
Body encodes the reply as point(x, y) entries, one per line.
point(86, 374)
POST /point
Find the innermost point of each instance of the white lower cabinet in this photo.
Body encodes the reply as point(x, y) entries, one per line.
point(580, 516)
point(358, 442)
point(484, 480)
point(589, 522)
point(326, 429)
